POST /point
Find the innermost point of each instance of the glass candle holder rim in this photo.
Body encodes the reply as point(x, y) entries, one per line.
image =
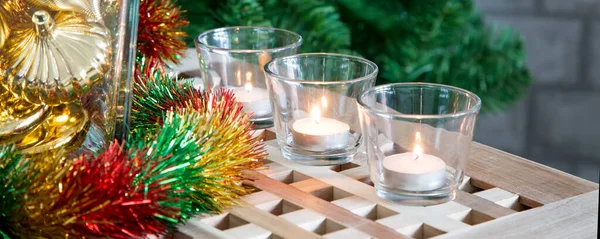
point(471, 110)
point(297, 43)
point(274, 75)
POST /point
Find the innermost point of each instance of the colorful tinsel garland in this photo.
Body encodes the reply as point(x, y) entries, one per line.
point(160, 35)
point(191, 163)
point(184, 156)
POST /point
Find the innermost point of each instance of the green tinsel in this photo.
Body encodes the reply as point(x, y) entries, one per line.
point(157, 94)
point(174, 149)
point(179, 125)
point(188, 160)
point(441, 41)
point(12, 185)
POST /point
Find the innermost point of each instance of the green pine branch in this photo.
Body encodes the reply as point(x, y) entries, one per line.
point(441, 41)
point(318, 23)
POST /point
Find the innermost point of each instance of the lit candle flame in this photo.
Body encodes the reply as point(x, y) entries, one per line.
point(248, 86)
point(418, 151)
point(316, 114)
point(323, 102)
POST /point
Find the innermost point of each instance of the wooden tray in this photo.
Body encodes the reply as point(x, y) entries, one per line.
point(504, 196)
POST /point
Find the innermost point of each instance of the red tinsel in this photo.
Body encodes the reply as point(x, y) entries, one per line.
point(130, 209)
point(99, 196)
point(160, 34)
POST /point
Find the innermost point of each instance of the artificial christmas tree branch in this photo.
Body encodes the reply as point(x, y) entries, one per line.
point(441, 41)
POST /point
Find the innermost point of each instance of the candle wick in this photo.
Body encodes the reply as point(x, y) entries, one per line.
point(416, 157)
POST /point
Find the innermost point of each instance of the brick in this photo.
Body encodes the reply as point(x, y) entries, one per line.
point(568, 122)
point(572, 6)
point(505, 6)
point(552, 46)
point(505, 131)
point(594, 66)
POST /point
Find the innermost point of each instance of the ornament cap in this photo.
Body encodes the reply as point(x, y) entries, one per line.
point(43, 22)
point(56, 58)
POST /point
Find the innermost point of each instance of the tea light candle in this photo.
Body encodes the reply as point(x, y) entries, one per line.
point(253, 99)
point(414, 171)
point(320, 134)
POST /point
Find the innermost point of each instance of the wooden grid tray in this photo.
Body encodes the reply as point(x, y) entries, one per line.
point(504, 196)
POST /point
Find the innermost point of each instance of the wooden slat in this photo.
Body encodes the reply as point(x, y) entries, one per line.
point(479, 204)
point(270, 134)
point(278, 207)
point(498, 196)
point(575, 217)
point(348, 233)
point(430, 217)
point(249, 231)
point(271, 222)
point(402, 223)
point(482, 205)
point(260, 198)
point(567, 206)
point(362, 207)
point(535, 183)
point(450, 209)
point(277, 171)
point(306, 219)
point(358, 173)
point(331, 211)
point(489, 208)
point(195, 229)
point(503, 198)
point(357, 205)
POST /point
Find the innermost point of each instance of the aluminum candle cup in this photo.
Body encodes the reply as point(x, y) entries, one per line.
point(414, 171)
point(417, 139)
point(254, 100)
point(314, 105)
point(234, 58)
point(320, 134)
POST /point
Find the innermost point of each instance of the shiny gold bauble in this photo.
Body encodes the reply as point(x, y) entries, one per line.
point(18, 117)
point(4, 27)
point(65, 126)
point(55, 60)
point(91, 8)
point(8, 11)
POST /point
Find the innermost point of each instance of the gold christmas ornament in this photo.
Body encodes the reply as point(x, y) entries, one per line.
point(91, 8)
point(53, 61)
point(65, 126)
point(8, 10)
point(18, 117)
point(4, 29)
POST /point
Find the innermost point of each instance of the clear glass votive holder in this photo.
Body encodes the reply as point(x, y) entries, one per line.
point(234, 58)
point(417, 138)
point(314, 102)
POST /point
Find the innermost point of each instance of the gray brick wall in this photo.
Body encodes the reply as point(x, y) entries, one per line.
point(558, 123)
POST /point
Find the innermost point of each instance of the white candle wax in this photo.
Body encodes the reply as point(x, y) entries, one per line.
point(414, 172)
point(320, 134)
point(253, 99)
